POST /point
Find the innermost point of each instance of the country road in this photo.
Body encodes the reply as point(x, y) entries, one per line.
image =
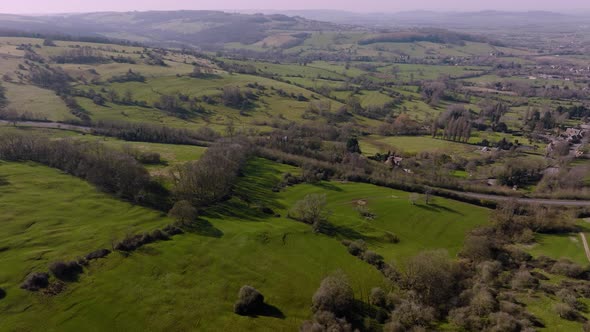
point(493, 198)
point(50, 125)
point(539, 201)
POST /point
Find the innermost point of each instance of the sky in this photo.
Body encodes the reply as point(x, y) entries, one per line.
point(63, 6)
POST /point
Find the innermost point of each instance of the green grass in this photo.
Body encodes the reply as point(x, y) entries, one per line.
point(50, 216)
point(419, 227)
point(191, 282)
point(410, 144)
point(41, 103)
point(560, 246)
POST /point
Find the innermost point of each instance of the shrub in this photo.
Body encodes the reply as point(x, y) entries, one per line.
point(373, 258)
point(565, 311)
point(250, 301)
point(567, 268)
point(569, 297)
point(378, 297)
point(158, 235)
point(101, 253)
point(411, 314)
point(524, 280)
point(2, 293)
point(391, 238)
point(356, 248)
point(65, 270)
point(334, 295)
point(326, 321)
point(172, 230)
point(36, 281)
point(184, 212)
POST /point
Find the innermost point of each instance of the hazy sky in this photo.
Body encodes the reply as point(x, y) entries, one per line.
point(60, 6)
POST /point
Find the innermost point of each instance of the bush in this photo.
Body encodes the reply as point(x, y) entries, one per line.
point(334, 295)
point(101, 253)
point(373, 258)
point(410, 314)
point(356, 248)
point(184, 212)
point(65, 270)
point(567, 268)
point(565, 311)
point(378, 297)
point(524, 280)
point(36, 281)
point(250, 301)
point(158, 235)
point(172, 230)
point(326, 321)
point(391, 238)
point(2, 293)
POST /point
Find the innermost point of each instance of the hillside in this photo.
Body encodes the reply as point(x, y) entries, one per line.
point(210, 171)
point(167, 28)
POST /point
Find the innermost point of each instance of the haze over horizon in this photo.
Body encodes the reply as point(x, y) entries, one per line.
point(66, 6)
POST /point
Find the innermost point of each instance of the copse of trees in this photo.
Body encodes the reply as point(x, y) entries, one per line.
point(3, 98)
point(110, 170)
point(211, 178)
point(141, 132)
point(332, 305)
point(129, 76)
point(455, 123)
point(82, 55)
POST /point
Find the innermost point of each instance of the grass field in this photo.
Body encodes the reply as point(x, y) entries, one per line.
point(190, 283)
point(50, 216)
point(410, 144)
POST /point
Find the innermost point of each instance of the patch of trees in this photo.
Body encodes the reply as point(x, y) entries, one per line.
point(123, 59)
point(55, 79)
point(110, 170)
point(75, 108)
point(82, 55)
point(311, 210)
point(211, 178)
point(455, 123)
point(433, 91)
point(141, 132)
point(429, 35)
point(155, 59)
point(132, 242)
point(233, 96)
point(521, 172)
point(575, 112)
point(3, 98)
point(494, 111)
point(333, 305)
point(129, 76)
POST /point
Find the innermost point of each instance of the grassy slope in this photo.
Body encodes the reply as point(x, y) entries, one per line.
point(49, 216)
point(191, 282)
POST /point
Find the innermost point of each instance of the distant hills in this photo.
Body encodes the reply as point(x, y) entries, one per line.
point(458, 20)
point(166, 27)
point(210, 29)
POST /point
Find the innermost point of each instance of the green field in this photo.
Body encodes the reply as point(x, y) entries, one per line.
point(191, 281)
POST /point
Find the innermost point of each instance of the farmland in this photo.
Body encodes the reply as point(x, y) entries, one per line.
point(146, 182)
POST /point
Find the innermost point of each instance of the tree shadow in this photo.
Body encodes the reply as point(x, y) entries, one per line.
point(203, 227)
point(437, 208)
point(327, 186)
point(330, 229)
point(267, 310)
